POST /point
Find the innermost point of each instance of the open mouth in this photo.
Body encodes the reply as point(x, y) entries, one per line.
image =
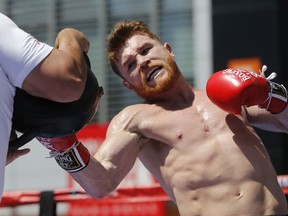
point(153, 73)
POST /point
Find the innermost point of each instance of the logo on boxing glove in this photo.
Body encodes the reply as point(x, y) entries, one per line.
point(70, 160)
point(243, 75)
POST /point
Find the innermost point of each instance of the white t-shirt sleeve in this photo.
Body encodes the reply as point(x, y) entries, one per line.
point(19, 51)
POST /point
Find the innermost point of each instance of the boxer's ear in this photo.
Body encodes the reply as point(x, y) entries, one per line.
point(168, 47)
point(127, 85)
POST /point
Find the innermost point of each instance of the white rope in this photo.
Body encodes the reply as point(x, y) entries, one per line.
point(272, 76)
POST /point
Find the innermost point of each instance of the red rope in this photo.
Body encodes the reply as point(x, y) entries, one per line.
point(121, 195)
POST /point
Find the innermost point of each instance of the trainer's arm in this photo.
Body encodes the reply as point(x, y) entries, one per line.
point(112, 162)
point(61, 76)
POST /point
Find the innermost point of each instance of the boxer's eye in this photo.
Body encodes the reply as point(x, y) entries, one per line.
point(145, 51)
point(131, 65)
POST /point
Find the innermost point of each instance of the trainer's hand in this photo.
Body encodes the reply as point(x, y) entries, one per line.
point(231, 88)
point(68, 151)
point(69, 35)
point(14, 154)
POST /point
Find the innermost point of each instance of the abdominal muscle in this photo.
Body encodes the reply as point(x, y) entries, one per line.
point(228, 187)
point(218, 177)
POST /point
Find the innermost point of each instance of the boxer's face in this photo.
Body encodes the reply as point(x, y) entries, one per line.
point(147, 66)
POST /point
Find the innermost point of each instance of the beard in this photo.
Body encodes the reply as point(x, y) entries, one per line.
point(162, 85)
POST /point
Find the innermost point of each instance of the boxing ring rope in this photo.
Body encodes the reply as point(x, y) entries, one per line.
point(131, 195)
point(49, 199)
point(139, 194)
point(283, 182)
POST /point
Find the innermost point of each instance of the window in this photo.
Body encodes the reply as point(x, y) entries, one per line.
point(171, 20)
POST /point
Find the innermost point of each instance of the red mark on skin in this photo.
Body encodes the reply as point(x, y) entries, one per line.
point(179, 135)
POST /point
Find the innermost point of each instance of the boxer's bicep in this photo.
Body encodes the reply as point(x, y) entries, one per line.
point(265, 120)
point(118, 154)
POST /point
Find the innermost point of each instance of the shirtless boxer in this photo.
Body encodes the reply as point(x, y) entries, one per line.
point(208, 161)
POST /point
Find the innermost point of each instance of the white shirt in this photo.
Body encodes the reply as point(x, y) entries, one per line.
point(19, 54)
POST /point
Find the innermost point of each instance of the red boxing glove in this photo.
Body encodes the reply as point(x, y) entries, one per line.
point(68, 152)
point(231, 88)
